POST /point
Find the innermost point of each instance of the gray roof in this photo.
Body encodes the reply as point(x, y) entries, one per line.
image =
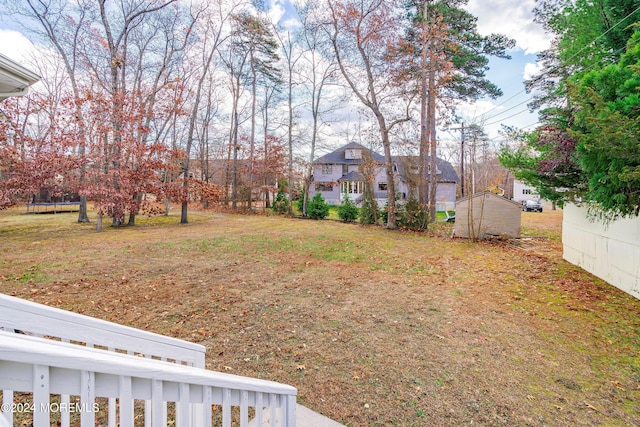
point(447, 172)
point(490, 193)
point(336, 157)
point(352, 176)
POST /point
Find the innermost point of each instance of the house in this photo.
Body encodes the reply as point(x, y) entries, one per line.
point(485, 215)
point(407, 168)
point(522, 192)
point(342, 171)
point(14, 79)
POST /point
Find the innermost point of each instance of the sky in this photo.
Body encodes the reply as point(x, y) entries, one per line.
point(512, 18)
point(515, 20)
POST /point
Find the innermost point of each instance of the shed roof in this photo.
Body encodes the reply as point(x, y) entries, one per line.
point(482, 193)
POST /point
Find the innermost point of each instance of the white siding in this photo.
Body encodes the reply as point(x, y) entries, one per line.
point(320, 176)
point(610, 252)
point(522, 192)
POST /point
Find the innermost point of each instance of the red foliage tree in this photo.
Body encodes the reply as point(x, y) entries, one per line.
point(270, 164)
point(122, 167)
point(36, 149)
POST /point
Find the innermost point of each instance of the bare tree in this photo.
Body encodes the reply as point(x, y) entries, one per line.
point(64, 35)
point(317, 71)
point(272, 97)
point(291, 57)
point(212, 32)
point(80, 31)
point(362, 32)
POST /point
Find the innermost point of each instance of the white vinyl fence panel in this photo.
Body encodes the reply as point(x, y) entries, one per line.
point(609, 251)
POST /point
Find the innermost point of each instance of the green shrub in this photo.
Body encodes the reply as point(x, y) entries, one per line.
point(299, 204)
point(281, 203)
point(347, 211)
point(317, 208)
point(413, 215)
point(367, 213)
point(384, 213)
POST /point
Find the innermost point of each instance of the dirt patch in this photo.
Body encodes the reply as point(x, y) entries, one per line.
point(373, 327)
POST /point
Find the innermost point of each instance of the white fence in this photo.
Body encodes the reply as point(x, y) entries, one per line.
point(71, 361)
point(610, 252)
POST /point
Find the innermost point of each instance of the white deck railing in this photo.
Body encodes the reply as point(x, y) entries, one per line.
point(71, 355)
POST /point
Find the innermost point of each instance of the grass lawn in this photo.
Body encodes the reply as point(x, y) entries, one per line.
point(374, 327)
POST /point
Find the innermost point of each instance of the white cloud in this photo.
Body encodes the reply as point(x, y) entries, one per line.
point(276, 10)
point(512, 18)
point(15, 45)
point(291, 23)
point(531, 70)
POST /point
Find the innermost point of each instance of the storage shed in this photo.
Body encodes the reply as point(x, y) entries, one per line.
point(486, 215)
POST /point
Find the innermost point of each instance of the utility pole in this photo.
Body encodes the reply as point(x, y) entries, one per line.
point(462, 161)
point(461, 128)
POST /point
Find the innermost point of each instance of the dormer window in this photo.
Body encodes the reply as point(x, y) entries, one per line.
point(438, 171)
point(352, 153)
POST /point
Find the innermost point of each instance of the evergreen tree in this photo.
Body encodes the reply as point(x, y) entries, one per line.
point(368, 215)
point(413, 215)
point(281, 203)
point(448, 57)
point(608, 133)
point(317, 208)
point(587, 145)
point(347, 211)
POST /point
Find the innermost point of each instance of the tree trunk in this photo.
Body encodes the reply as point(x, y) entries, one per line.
point(234, 182)
point(391, 186)
point(290, 139)
point(433, 175)
point(82, 211)
point(252, 142)
point(423, 187)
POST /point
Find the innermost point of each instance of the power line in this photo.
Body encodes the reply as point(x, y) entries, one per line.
point(553, 70)
point(508, 117)
point(508, 109)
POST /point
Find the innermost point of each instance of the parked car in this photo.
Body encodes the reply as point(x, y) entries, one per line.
point(532, 206)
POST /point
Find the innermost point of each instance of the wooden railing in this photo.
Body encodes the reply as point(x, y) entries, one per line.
point(55, 363)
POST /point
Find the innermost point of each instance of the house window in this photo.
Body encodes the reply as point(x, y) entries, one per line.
point(526, 191)
point(382, 186)
point(327, 169)
point(352, 153)
point(352, 187)
point(345, 169)
point(324, 186)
